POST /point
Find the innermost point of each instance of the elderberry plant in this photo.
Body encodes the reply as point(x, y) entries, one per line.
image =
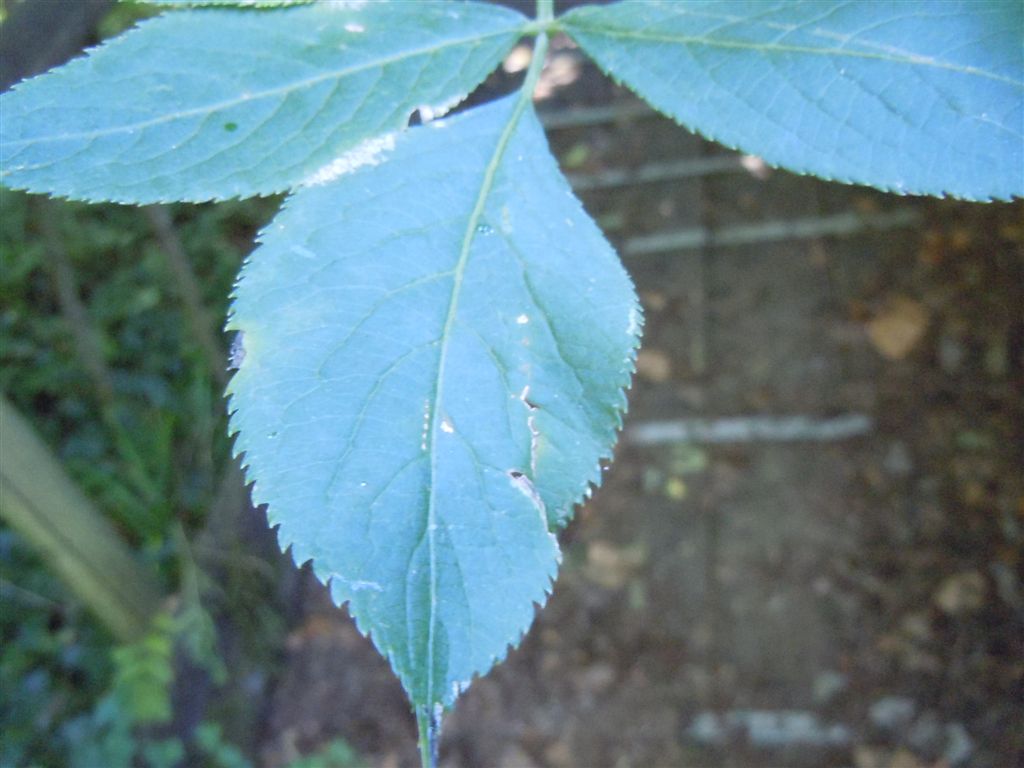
point(434, 338)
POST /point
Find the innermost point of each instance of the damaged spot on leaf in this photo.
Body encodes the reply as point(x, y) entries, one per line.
point(237, 352)
point(525, 485)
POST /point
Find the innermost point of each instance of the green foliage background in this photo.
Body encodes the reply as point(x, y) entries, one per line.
point(141, 430)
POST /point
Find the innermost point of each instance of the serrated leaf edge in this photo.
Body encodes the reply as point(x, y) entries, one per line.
point(66, 194)
point(568, 21)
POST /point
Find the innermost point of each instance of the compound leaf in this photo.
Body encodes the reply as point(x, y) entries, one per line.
point(435, 351)
point(912, 97)
point(215, 103)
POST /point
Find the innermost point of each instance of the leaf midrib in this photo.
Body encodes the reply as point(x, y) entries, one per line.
point(282, 90)
point(436, 417)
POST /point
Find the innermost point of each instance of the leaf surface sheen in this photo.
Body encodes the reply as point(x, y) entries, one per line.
point(912, 97)
point(436, 349)
point(211, 103)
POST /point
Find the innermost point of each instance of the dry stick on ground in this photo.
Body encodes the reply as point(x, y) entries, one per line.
point(836, 225)
point(187, 287)
point(89, 347)
point(87, 341)
point(227, 511)
point(750, 429)
point(651, 173)
point(199, 319)
point(230, 496)
point(581, 117)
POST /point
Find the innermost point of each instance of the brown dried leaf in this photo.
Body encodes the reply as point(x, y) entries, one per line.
point(611, 567)
point(653, 365)
point(898, 327)
point(961, 593)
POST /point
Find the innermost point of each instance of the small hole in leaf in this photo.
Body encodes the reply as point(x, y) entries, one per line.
point(230, 126)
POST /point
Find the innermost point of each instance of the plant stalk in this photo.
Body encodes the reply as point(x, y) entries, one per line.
point(429, 726)
point(40, 501)
point(428, 719)
point(545, 11)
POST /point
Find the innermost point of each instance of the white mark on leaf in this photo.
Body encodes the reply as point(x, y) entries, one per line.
point(354, 27)
point(356, 585)
point(524, 485)
point(430, 112)
point(346, 5)
point(301, 250)
point(524, 396)
point(636, 321)
point(237, 352)
point(426, 425)
point(370, 152)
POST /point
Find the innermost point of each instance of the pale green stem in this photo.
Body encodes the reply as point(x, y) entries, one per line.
point(428, 722)
point(545, 12)
point(429, 732)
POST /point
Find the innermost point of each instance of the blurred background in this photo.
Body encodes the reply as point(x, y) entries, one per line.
point(808, 551)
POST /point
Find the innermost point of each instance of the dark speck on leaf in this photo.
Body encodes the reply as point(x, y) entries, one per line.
point(230, 126)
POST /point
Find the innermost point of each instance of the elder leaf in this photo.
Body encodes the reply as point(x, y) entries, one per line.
point(435, 351)
point(214, 103)
point(912, 97)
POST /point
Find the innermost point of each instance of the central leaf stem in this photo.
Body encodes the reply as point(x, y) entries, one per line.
point(428, 719)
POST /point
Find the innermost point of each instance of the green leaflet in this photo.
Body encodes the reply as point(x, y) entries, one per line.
point(435, 351)
point(256, 3)
point(216, 103)
point(913, 97)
